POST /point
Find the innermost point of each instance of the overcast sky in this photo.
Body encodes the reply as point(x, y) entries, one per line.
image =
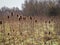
point(11, 3)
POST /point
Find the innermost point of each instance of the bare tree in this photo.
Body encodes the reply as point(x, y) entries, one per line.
point(35, 7)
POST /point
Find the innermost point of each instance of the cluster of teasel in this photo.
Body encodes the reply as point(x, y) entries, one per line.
point(29, 30)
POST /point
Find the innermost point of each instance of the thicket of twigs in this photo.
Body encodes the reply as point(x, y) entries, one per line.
point(35, 7)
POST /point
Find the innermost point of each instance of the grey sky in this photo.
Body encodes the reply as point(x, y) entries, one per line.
point(11, 3)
